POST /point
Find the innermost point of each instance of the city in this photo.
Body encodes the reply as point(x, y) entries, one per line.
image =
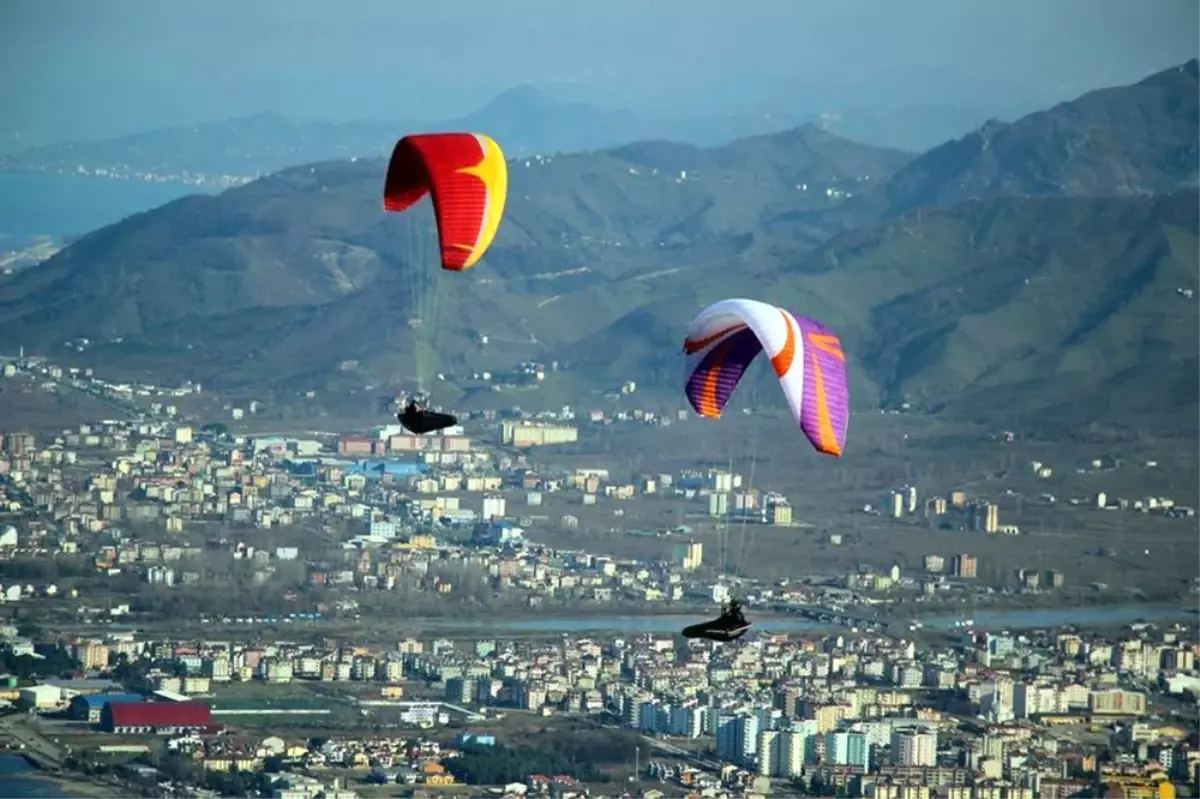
point(217, 598)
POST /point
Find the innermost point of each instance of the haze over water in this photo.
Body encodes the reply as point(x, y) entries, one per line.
point(19, 780)
point(72, 70)
point(66, 205)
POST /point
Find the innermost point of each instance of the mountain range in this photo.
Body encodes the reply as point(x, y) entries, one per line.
point(1044, 265)
point(524, 120)
point(1097, 145)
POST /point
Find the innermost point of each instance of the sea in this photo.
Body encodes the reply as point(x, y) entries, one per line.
point(61, 206)
point(19, 780)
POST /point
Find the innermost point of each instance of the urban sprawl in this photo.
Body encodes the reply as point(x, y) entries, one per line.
point(114, 677)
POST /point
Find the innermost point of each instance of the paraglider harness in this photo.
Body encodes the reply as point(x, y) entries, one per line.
point(729, 626)
point(418, 419)
point(732, 616)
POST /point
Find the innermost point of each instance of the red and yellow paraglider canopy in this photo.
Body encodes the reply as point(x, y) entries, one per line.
point(467, 178)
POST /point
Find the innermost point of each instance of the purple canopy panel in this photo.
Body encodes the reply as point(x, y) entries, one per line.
point(825, 412)
point(711, 385)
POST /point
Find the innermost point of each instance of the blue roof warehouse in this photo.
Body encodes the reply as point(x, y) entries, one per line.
point(87, 707)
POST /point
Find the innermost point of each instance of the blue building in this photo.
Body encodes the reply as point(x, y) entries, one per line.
point(376, 469)
point(847, 749)
point(478, 739)
point(304, 468)
point(87, 707)
point(737, 738)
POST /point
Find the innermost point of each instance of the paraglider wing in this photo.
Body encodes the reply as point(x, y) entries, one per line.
point(466, 175)
point(726, 337)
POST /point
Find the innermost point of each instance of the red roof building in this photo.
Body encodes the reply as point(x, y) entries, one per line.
point(155, 717)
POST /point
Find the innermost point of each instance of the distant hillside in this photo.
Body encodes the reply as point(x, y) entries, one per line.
point(1058, 298)
point(1014, 308)
point(1123, 141)
point(524, 120)
point(1052, 300)
point(311, 235)
point(915, 128)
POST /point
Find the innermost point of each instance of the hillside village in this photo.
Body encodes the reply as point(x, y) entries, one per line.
point(166, 479)
point(154, 497)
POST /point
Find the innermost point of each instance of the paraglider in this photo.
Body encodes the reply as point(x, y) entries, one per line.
point(729, 626)
point(727, 336)
point(419, 420)
point(721, 343)
point(467, 178)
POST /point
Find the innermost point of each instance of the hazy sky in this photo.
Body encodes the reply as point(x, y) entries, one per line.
point(89, 68)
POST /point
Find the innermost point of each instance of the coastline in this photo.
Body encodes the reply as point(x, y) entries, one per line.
point(22, 780)
point(73, 787)
point(66, 205)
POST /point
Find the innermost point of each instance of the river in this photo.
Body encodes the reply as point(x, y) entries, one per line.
point(19, 780)
point(988, 619)
point(1014, 619)
point(34, 204)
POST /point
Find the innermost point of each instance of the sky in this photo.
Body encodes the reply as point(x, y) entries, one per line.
point(83, 69)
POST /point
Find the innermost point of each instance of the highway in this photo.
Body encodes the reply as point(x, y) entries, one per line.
point(683, 754)
point(830, 616)
point(672, 750)
point(41, 373)
point(20, 730)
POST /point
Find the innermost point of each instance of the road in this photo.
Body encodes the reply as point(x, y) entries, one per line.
point(830, 616)
point(41, 373)
point(675, 751)
point(683, 754)
point(19, 729)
